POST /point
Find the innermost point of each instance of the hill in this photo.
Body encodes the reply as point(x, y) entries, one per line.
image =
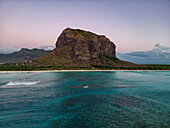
point(22, 55)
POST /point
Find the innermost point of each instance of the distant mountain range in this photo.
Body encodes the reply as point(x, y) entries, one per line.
point(23, 55)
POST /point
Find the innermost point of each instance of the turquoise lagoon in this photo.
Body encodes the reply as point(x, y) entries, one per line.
point(97, 99)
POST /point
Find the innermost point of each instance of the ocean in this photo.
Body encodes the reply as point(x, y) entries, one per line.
point(97, 99)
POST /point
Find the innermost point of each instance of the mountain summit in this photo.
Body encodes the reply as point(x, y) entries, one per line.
point(85, 45)
point(79, 48)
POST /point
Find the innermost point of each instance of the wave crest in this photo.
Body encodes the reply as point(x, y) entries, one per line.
point(20, 83)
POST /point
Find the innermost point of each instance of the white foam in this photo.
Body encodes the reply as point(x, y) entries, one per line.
point(20, 83)
point(86, 86)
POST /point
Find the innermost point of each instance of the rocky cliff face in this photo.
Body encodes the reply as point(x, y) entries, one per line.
point(79, 48)
point(84, 45)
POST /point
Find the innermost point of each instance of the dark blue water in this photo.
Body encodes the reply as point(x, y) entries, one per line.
point(115, 99)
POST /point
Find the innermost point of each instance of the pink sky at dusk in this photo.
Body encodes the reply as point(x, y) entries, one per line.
point(131, 25)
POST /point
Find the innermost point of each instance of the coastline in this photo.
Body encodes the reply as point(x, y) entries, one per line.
point(77, 71)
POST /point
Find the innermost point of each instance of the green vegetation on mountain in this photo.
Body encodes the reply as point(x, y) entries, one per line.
point(83, 33)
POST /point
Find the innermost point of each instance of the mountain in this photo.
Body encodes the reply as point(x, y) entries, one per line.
point(22, 55)
point(79, 48)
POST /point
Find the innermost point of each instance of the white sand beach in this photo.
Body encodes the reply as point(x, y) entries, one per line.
point(76, 71)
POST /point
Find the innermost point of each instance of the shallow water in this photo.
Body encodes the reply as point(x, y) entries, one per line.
point(110, 99)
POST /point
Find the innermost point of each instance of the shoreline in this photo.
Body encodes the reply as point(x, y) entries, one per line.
point(77, 71)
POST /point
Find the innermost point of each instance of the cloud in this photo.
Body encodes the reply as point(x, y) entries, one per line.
point(47, 47)
point(8, 50)
point(160, 54)
point(161, 48)
point(158, 45)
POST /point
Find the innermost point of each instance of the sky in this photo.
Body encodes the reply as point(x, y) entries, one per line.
point(133, 25)
point(160, 54)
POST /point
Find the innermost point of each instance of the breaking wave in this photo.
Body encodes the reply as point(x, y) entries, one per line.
point(20, 83)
